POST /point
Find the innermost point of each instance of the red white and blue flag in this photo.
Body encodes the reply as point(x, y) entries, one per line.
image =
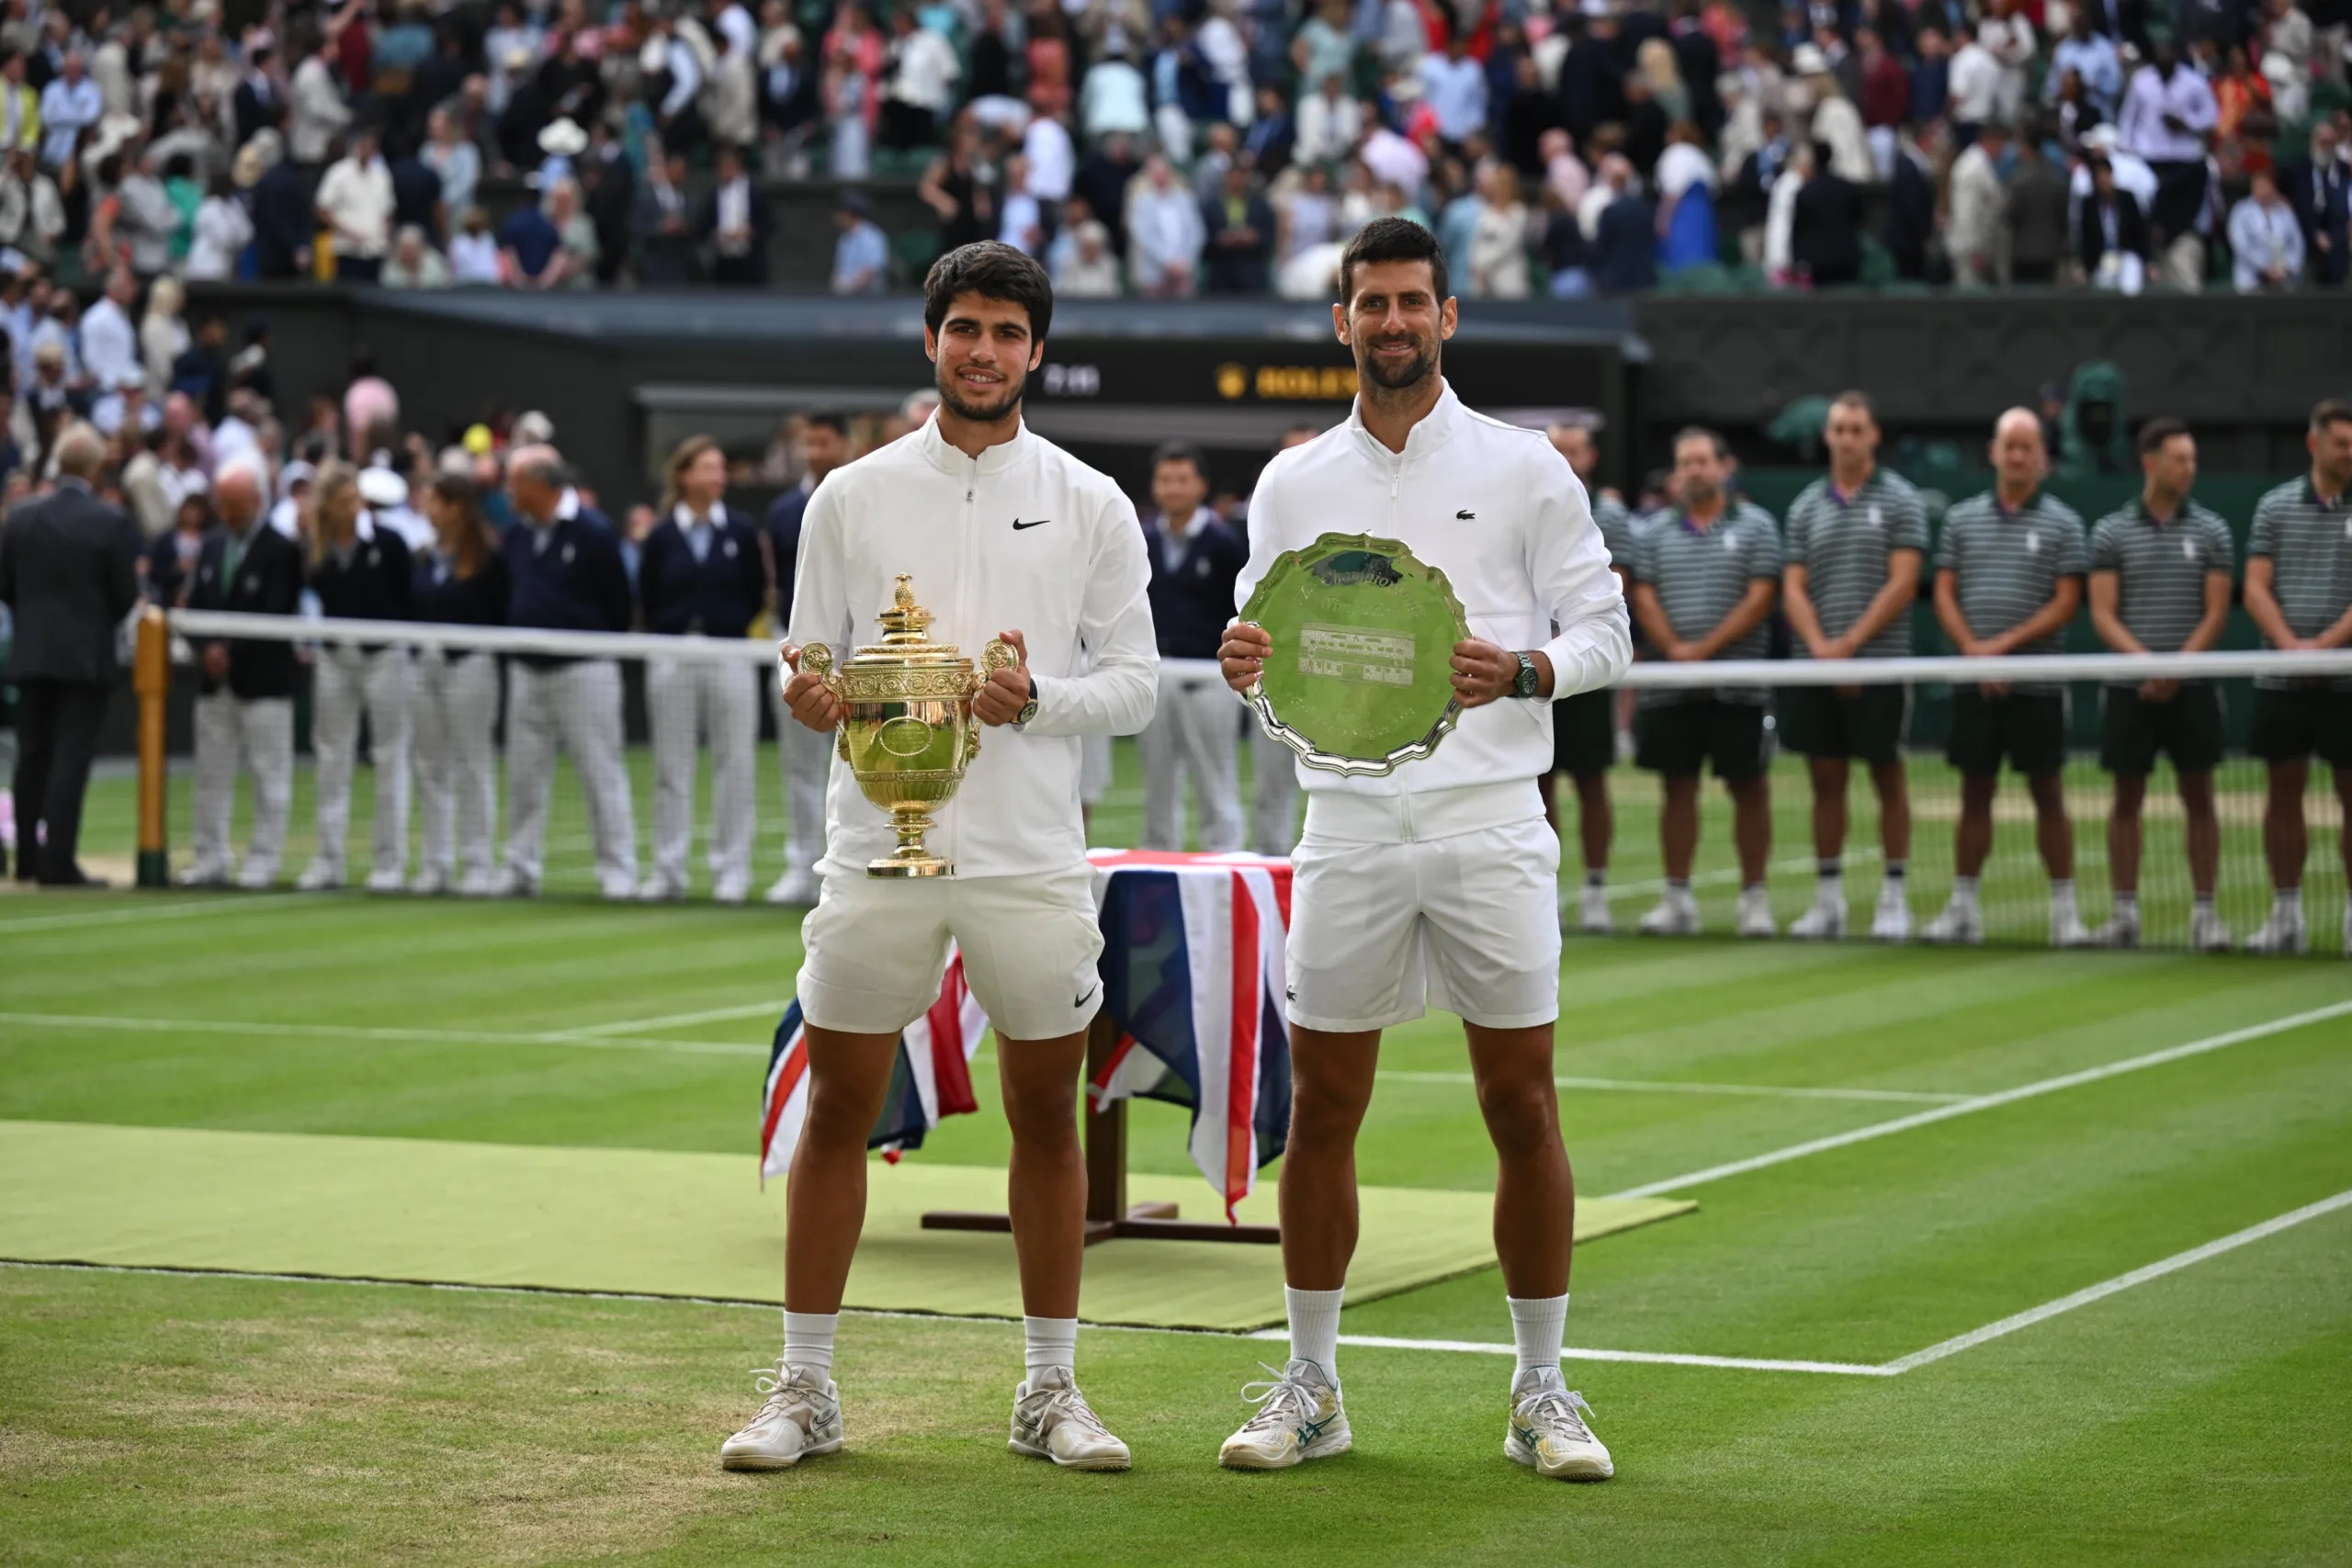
point(1192, 970)
point(931, 1077)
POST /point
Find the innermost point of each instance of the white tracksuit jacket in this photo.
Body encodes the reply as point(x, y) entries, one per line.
point(1497, 510)
point(1025, 538)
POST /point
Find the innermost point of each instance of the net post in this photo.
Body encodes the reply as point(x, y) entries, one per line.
point(151, 679)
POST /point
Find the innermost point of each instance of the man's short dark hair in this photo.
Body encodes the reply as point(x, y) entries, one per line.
point(1388, 239)
point(1854, 399)
point(827, 419)
point(1180, 452)
point(992, 271)
point(2334, 411)
point(2156, 431)
point(1700, 433)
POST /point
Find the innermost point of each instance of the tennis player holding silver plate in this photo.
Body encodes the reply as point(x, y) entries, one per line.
point(1426, 874)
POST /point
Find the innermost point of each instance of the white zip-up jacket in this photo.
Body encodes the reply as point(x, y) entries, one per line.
point(1497, 510)
point(1024, 538)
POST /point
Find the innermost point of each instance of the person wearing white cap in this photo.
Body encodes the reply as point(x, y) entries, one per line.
point(702, 575)
point(386, 494)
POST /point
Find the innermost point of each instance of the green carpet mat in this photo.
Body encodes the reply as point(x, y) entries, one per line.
point(653, 1222)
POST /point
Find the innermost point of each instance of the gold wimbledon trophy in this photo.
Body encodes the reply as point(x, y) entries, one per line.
point(907, 730)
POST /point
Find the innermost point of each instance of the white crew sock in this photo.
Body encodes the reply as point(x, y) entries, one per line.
point(1049, 1342)
point(2204, 905)
point(2287, 902)
point(2127, 906)
point(2062, 894)
point(1596, 876)
point(1538, 1325)
point(1963, 892)
point(1314, 1328)
point(808, 1339)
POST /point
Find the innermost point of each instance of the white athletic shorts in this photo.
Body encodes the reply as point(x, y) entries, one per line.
point(1468, 924)
point(876, 947)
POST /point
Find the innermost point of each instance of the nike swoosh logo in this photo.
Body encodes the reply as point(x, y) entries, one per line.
point(1084, 995)
point(1019, 525)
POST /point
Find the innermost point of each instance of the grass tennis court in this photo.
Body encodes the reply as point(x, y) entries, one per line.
point(1932, 1150)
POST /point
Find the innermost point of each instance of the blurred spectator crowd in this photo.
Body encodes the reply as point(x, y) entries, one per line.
point(1176, 147)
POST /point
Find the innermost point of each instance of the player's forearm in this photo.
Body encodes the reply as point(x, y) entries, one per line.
point(2262, 608)
point(2048, 621)
point(2207, 633)
point(1890, 604)
point(1797, 604)
point(1745, 618)
point(2339, 634)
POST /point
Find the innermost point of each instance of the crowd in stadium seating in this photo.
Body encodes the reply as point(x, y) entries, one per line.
point(1176, 147)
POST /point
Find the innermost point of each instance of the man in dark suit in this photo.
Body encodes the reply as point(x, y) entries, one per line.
point(1241, 227)
point(736, 223)
point(1825, 232)
point(283, 223)
point(2319, 188)
point(69, 573)
point(2111, 220)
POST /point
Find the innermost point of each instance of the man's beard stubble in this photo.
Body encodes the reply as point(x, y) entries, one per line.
point(952, 397)
point(1414, 371)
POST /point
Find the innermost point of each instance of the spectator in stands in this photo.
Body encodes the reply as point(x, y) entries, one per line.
point(414, 263)
point(1625, 245)
point(453, 159)
point(71, 106)
point(19, 106)
point(1196, 557)
point(460, 582)
point(2319, 188)
point(2169, 111)
point(862, 253)
point(2091, 55)
point(703, 574)
point(281, 211)
point(2160, 583)
point(1328, 123)
point(1825, 225)
point(2111, 234)
point(109, 343)
point(1704, 578)
point(2265, 241)
point(564, 563)
point(475, 254)
point(1686, 186)
point(2009, 574)
point(244, 706)
point(354, 206)
point(1113, 99)
point(1498, 251)
point(69, 568)
point(1022, 225)
point(220, 233)
point(2299, 593)
point(358, 571)
point(1979, 207)
point(1083, 266)
point(316, 113)
point(663, 221)
point(1239, 226)
point(921, 72)
point(1975, 88)
point(804, 753)
point(2036, 216)
point(1164, 231)
point(736, 224)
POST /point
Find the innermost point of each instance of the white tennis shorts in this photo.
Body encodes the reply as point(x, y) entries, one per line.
point(1468, 924)
point(876, 947)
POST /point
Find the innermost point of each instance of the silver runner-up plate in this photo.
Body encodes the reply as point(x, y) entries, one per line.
point(1360, 677)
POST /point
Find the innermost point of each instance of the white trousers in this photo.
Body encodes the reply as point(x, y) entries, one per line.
point(257, 734)
point(1192, 735)
point(807, 759)
point(579, 705)
point(457, 763)
point(1274, 816)
point(346, 683)
point(718, 705)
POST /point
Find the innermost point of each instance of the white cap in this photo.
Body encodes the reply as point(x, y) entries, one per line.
point(381, 487)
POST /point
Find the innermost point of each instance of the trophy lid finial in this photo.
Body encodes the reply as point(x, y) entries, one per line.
point(905, 621)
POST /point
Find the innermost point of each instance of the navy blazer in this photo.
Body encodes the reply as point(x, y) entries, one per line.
point(269, 583)
point(719, 595)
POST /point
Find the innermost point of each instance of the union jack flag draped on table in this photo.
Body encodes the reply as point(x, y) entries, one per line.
point(930, 1080)
point(1192, 973)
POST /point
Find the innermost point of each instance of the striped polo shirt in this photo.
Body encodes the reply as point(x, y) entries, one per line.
point(2160, 567)
point(2309, 542)
point(1616, 525)
point(1700, 574)
point(2007, 565)
point(1844, 543)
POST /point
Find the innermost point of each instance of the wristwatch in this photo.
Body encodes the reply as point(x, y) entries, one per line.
point(1529, 681)
point(1029, 709)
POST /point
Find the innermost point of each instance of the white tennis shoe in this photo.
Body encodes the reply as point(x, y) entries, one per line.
point(2282, 932)
point(1548, 1433)
point(1673, 917)
point(1052, 1420)
point(1959, 925)
point(1893, 921)
point(1756, 913)
point(1825, 921)
point(801, 1416)
point(1298, 1418)
point(1592, 912)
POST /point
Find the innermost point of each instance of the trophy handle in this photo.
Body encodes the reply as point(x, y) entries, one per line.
point(997, 655)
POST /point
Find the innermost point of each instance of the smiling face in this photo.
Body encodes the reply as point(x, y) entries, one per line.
point(984, 352)
point(1395, 322)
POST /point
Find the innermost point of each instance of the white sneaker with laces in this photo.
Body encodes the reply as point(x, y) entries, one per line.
point(1592, 912)
point(1052, 1420)
point(1893, 921)
point(254, 879)
point(479, 885)
point(1673, 917)
point(801, 1416)
point(205, 876)
point(2206, 931)
point(1823, 921)
point(1299, 1419)
point(2281, 933)
point(729, 892)
point(794, 888)
point(659, 889)
point(2066, 929)
point(1756, 913)
point(429, 882)
point(318, 877)
point(1548, 1433)
point(2121, 930)
point(513, 884)
point(1959, 925)
point(386, 882)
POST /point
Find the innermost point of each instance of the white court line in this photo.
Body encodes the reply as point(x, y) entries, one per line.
point(171, 911)
point(1580, 1353)
point(355, 1031)
point(2100, 1291)
point(1644, 1086)
point(1986, 1101)
point(774, 1009)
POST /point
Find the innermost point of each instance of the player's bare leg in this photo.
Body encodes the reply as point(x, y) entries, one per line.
point(1330, 1088)
point(1534, 1192)
point(2125, 839)
point(2203, 832)
point(1893, 921)
point(1963, 920)
point(1751, 830)
point(2053, 837)
point(1677, 913)
point(1047, 1186)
